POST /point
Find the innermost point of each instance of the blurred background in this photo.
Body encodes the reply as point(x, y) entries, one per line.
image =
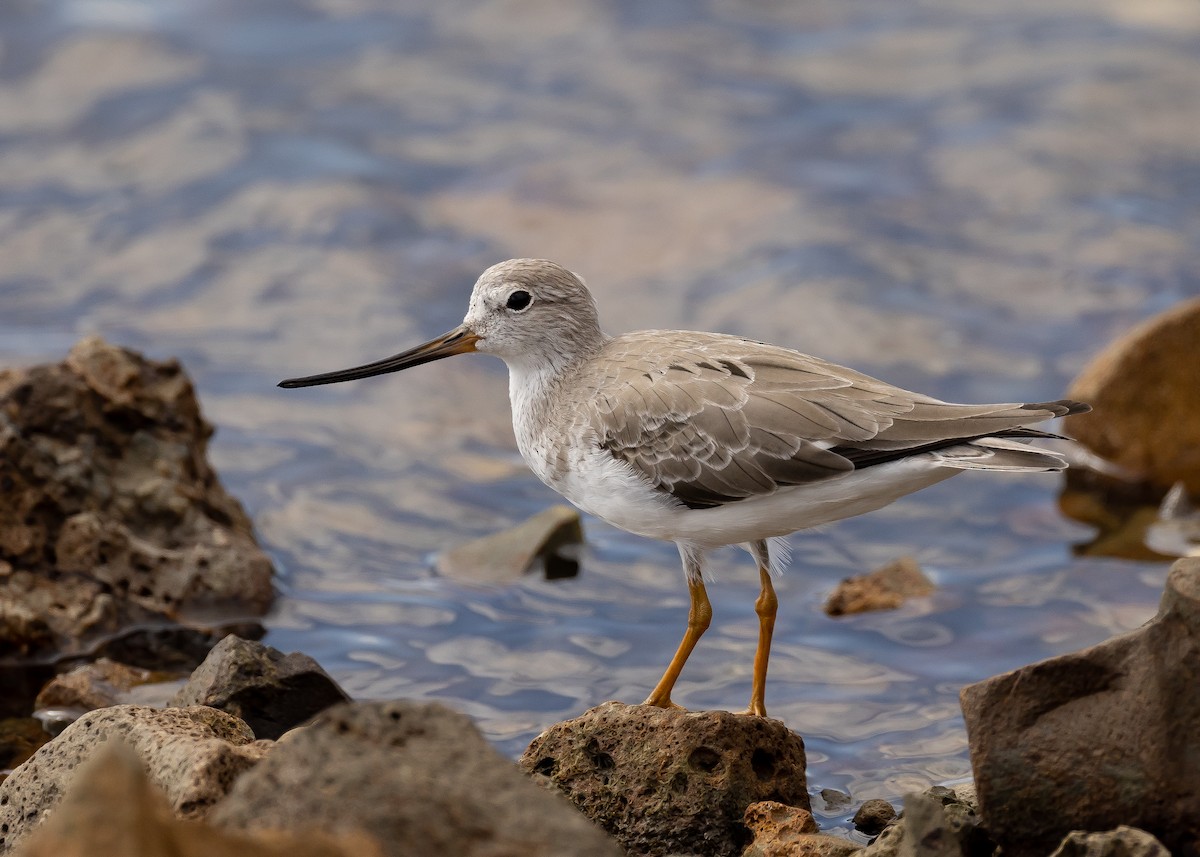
point(965, 199)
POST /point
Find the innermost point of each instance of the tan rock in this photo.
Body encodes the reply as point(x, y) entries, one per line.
point(112, 809)
point(95, 685)
point(779, 830)
point(1121, 842)
point(668, 780)
point(1145, 407)
point(507, 556)
point(883, 589)
point(1096, 738)
point(192, 754)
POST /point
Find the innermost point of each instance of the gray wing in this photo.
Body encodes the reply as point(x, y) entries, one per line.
point(711, 419)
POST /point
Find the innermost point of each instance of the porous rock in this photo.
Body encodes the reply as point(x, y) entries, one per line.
point(883, 589)
point(505, 557)
point(1096, 738)
point(192, 754)
point(112, 809)
point(1145, 412)
point(110, 515)
point(418, 777)
point(667, 780)
point(788, 831)
point(1122, 842)
point(270, 691)
point(94, 685)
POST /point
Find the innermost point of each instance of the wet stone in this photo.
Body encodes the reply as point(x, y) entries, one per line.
point(270, 691)
point(873, 816)
point(1096, 738)
point(96, 685)
point(883, 589)
point(667, 780)
point(550, 538)
point(112, 520)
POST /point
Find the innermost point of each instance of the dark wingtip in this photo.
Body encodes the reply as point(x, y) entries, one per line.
point(1060, 408)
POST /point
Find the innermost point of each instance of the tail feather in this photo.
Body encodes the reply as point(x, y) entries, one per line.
point(995, 453)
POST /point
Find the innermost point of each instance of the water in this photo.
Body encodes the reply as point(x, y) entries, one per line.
point(968, 201)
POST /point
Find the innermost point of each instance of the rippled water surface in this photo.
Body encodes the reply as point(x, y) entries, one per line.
point(968, 199)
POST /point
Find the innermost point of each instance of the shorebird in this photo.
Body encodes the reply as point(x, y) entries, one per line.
point(706, 439)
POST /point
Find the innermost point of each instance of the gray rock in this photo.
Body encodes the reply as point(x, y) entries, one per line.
point(1121, 842)
point(111, 518)
point(111, 809)
point(270, 691)
point(418, 777)
point(505, 557)
point(663, 780)
point(191, 754)
point(1097, 738)
point(936, 823)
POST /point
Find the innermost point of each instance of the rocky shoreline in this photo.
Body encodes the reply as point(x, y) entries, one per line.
point(122, 560)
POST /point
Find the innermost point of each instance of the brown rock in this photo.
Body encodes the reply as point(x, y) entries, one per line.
point(192, 754)
point(663, 780)
point(20, 738)
point(110, 515)
point(112, 809)
point(1096, 738)
point(777, 828)
point(419, 778)
point(883, 589)
point(1145, 411)
point(95, 685)
point(270, 691)
point(1121, 842)
point(507, 556)
point(873, 816)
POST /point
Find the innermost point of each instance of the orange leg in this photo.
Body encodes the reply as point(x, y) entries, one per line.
point(699, 618)
point(766, 607)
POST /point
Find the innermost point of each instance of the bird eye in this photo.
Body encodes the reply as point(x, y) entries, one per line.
point(518, 300)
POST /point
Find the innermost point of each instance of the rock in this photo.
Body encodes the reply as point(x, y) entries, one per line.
point(549, 536)
point(834, 801)
point(883, 589)
point(112, 809)
point(873, 816)
point(1101, 737)
point(778, 830)
point(1145, 412)
point(270, 691)
point(418, 777)
point(95, 685)
point(111, 518)
point(1121, 842)
point(938, 822)
point(664, 780)
point(192, 754)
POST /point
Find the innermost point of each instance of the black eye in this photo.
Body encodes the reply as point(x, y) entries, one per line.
point(518, 300)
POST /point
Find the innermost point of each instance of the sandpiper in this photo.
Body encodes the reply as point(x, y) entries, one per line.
point(706, 439)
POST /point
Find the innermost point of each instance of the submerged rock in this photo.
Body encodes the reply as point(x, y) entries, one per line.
point(668, 780)
point(551, 537)
point(1097, 738)
point(883, 589)
point(270, 691)
point(1145, 409)
point(111, 517)
point(112, 809)
point(96, 685)
point(192, 754)
point(419, 778)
